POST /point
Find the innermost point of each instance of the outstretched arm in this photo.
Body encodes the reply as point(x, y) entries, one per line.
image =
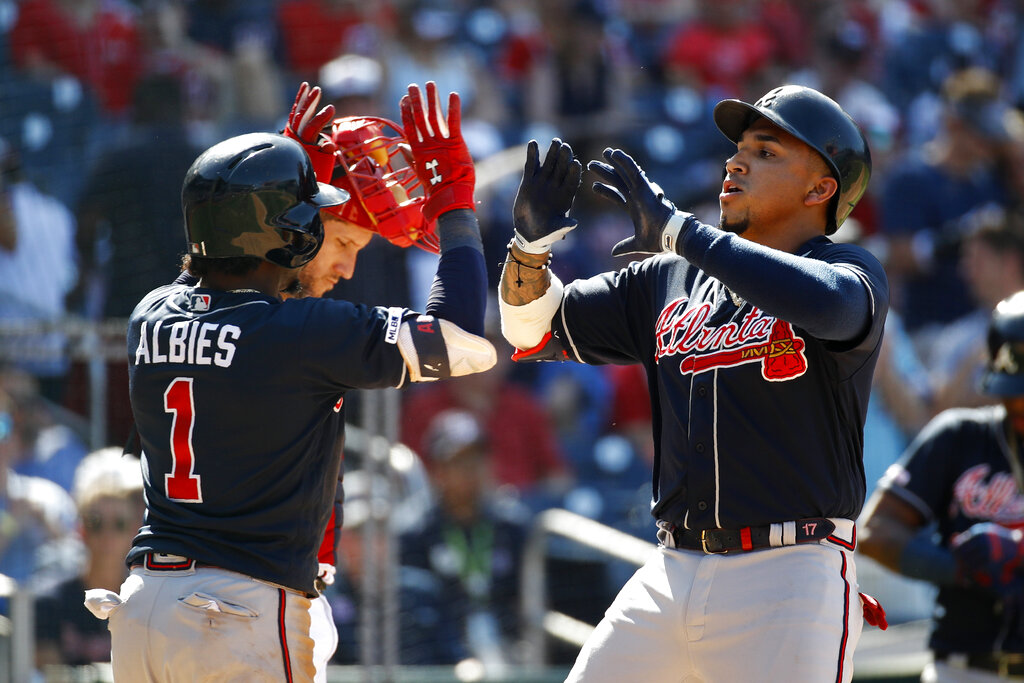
point(829, 301)
point(529, 292)
point(448, 340)
point(445, 167)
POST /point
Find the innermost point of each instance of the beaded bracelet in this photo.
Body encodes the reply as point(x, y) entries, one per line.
point(520, 265)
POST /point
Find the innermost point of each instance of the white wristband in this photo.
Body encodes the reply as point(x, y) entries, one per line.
point(541, 245)
point(671, 231)
point(525, 326)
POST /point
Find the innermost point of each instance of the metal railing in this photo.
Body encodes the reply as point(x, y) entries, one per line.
point(92, 342)
point(17, 633)
point(539, 622)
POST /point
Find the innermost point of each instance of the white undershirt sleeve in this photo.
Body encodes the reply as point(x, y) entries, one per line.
point(525, 326)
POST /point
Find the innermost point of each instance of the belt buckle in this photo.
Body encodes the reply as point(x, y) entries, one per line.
point(704, 544)
point(1008, 661)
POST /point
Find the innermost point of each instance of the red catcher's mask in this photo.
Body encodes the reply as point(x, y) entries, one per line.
point(374, 164)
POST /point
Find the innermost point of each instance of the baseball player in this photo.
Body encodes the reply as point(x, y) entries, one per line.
point(238, 397)
point(759, 338)
point(366, 157)
point(952, 510)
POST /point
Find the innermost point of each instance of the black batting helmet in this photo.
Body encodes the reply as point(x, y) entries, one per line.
point(1004, 375)
point(821, 123)
point(256, 195)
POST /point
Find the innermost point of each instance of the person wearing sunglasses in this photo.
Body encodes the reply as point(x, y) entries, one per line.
point(107, 491)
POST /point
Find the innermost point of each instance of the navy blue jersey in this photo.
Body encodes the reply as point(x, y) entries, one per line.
point(238, 401)
point(756, 419)
point(957, 473)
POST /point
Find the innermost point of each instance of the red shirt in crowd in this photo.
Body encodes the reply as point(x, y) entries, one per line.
point(523, 444)
point(104, 53)
point(724, 59)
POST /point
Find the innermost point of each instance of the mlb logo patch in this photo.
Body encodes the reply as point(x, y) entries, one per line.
point(393, 325)
point(200, 302)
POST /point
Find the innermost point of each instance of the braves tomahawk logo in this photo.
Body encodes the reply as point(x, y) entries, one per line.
point(758, 338)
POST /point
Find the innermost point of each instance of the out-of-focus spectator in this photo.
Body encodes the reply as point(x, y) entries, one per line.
point(97, 41)
point(352, 83)
point(313, 32)
point(472, 540)
point(49, 441)
point(845, 66)
point(992, 265)
point(108, 496)
point(580, 82)
point(130, 228)
point(205, 74)
point(246, 34)
point(38, 268)
point(523, 443)
point(428, 625)
point(925, 42)
point(790, 22)
point(927, 191)
point(722, 51)
point(576, 399)
point(37, 516)
point(129, 217)
point(423, 47)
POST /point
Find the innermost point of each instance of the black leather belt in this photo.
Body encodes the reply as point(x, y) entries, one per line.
point(721, 541)
point(168, 563)
point(1003, 663)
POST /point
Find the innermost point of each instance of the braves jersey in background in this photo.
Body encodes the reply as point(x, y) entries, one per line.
point(957, 473)
point(755, 420)
point(206, 366)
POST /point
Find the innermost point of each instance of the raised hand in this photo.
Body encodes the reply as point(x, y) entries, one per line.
point(306, 127)
point(656, 222)
point(546, 193)
point(440, 155)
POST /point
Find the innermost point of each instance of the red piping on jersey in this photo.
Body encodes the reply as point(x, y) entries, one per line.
point(152, 566)
point(526, 353)
point(523, 353)
point(849, 545)
point(745, 538)
point(284, 637)
point(846, 621)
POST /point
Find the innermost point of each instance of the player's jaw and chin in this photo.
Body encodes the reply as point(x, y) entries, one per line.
point(737, 225)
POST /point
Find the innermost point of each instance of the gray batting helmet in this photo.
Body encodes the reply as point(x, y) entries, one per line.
point(821, 123)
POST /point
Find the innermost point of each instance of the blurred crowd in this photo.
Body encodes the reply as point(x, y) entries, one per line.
point(105, 103)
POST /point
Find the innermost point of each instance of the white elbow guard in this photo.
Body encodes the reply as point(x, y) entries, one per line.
point(524, 326)
point(434, 349)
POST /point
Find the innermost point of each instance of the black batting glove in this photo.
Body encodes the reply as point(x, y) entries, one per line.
point(546, 192)
point(656, 222)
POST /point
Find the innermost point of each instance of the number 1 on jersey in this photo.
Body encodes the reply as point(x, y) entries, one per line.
point(182, 485)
